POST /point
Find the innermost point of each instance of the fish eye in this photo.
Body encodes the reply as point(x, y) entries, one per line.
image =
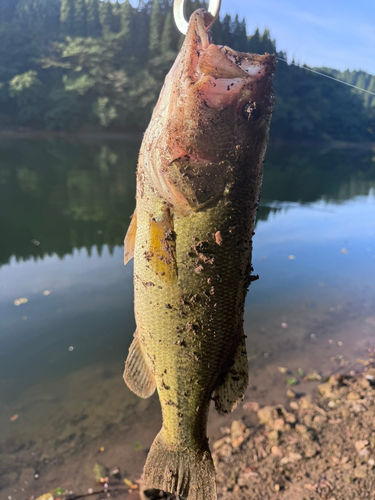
point(251, 112)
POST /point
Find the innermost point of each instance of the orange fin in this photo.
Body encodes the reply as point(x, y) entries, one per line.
point(129, 242)
point(162, 254)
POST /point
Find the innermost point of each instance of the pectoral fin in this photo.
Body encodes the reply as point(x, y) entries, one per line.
point(137, 375)
point(162, 253)
point(129, 242)
point(231, 391)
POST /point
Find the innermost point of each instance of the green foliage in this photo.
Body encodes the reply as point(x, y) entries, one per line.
point(67, 17)
point(156, 22)
point(28, 92)
point(80, 18)
point(65, 64)
point(94, 28)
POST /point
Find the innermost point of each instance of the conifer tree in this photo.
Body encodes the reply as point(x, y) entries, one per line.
point(116, 17)
point(126, 13)
point(67, 17)
point(239, 35)
point(106, 16)
point(94, 28)
point(80, 18)
point(254, 43)
point(155, 27)
point(166, 36)
point(226, 34)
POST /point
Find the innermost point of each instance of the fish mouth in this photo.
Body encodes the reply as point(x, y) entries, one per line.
point(220, 62)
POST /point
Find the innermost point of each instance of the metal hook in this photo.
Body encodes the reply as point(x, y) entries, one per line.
point(179, 16)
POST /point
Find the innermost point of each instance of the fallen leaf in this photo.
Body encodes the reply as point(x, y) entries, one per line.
point(313, 376)
point(99, 472)
point(128, 482)
point(291, 381)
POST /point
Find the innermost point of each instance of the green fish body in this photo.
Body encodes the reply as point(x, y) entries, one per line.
point(198, 185)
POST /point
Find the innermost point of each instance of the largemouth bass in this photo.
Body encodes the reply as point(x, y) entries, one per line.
point(198, 184)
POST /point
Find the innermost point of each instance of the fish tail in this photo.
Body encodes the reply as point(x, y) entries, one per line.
point(187, 473)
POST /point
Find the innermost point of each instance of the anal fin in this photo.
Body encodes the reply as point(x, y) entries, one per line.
point(137, 375)
point(231, 391)
point(129, 242)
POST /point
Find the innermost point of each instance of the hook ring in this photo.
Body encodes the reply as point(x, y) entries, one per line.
point(179, 16)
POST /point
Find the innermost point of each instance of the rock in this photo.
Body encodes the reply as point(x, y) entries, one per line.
point(353, 396)
point(294, 405)
point(360, 472)
point(251, 406)
point(225, 450)
point(275, 450)
point(361, 444)
point(292, 457)
point(217, 444)
point(267, 414)
point(278, 424)
point(291, 394)
point(273, 435)
point(325, 390)
point(302, 429)
point(305, 402)
point(311, 449)
point(289, 417)
point(238, 429)
point(358, 408)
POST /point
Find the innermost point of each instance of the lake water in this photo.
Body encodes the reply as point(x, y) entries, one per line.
point(64, 211)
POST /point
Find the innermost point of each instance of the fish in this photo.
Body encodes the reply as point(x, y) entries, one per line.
point(198, 184)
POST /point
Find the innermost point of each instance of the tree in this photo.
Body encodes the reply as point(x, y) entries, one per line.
point(106, 16)
point(156, 21)
point(166, 37)
point(239, 35)
point(28, 92)
point(226, 35)
point(80, 18)
point(67, 17)
point(94, 28)
point(126, 14)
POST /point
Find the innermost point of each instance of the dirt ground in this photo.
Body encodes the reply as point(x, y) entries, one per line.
point(319, 446)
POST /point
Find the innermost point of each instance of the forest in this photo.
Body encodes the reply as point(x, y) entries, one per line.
point(88, 65)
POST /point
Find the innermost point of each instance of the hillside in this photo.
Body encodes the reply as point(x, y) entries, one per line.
point(94, 64)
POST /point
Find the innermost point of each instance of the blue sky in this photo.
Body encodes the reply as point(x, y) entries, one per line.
point(335, 33)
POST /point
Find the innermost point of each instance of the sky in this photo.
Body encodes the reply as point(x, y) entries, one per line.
point(336, 33)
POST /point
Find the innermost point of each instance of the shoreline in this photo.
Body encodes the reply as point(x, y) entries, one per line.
point(138, 134)
point(317, 445)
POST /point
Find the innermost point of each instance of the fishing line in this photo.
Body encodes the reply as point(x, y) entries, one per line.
point(327, 76)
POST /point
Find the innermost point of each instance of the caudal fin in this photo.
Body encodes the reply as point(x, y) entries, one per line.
point(189, 474)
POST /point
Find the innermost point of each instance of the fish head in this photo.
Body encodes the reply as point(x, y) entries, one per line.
point(212, 117)
point(222, 100)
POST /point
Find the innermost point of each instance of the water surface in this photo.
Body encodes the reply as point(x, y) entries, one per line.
point(64, 210)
